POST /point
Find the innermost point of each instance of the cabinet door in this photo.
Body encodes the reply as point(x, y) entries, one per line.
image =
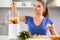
point(5, 3)
point(58, 2)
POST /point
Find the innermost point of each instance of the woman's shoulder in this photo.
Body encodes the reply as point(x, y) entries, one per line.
point(28, 17)
point(48, 20)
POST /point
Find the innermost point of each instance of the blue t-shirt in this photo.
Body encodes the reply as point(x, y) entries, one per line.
point(41, 29)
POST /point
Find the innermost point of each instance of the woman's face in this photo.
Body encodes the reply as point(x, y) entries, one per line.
point(38, 8)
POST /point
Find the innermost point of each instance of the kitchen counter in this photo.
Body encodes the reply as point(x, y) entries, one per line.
point(5, 37)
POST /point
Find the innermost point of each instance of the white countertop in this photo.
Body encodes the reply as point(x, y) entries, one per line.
point(5, 37)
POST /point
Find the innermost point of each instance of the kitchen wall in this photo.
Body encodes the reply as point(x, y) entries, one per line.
point(54, 13)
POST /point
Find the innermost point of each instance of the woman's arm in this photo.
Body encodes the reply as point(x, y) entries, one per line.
point(52, 30)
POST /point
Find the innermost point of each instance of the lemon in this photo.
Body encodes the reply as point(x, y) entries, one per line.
point(48, 25)
point(14, 20)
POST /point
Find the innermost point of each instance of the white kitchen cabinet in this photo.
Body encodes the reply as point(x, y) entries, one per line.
point(5, 3)
point(24, 3)
point(53, 3)
point(58, 2)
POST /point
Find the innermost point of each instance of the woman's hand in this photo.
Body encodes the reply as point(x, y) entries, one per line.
point(49, 26)
point(23, 19)
point(52, 30)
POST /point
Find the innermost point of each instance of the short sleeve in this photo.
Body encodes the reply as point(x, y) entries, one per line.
point(27, 19)
point(49, 21)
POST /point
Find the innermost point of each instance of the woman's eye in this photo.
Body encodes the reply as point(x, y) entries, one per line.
point(38, 6)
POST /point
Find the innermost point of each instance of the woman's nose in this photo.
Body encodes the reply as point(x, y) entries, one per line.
point(35, 7)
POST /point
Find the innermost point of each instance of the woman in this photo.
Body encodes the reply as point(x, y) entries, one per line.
point(38, 23)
